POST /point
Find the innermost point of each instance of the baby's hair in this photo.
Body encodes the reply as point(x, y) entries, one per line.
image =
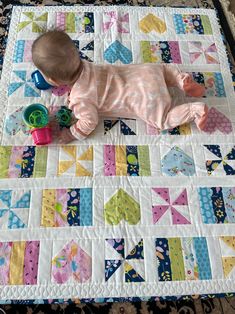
point(56, 56)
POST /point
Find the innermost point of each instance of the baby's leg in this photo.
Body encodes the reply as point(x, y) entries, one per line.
point(175, 78)
point(185, 113)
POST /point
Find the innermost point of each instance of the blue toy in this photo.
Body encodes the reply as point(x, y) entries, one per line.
point(39, 81)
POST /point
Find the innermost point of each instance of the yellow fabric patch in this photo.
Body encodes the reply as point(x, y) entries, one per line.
point(80, 161)
point(152, 23)
point(48, 208)
point(17, 263)
point(87, 155)
point(121, 163)
point(81, 171)
point(228, 264)
point(230, 241)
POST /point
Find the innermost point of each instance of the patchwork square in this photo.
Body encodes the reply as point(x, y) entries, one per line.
point(217, 120)
point(219, 160)
point(76, 161)
point(121, 262)
point(160, 52)
point(122, 205)
point(71, 22)
point(170, 206)
point(203, 52)
point(19, 262)
point(183, 259)
point(33, 22)
point(227, 248)
point(213, 82)
point(152, 23)
point(23, 161)
point(22, 52)
point(192, 24)
point(67, 207)
point(86, 49)
point(14, 209)
point(21, 85)
point(14, 123)
point(71, 263)
point(124, 160)
point(217, 204)
point(116, 22)
point(117, 52)
point(177, 162)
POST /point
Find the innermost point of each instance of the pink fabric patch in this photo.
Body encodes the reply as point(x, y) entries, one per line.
point(15, 162)
point(61, 199)
point(121, 21)
point(5, 255)
point(194, 56)
point(182, 199)
point(71, 261)
point(217, 121)
point(109, 160)
point(177, 218)
point(60, 20)
point(175, 52)
point(164, 193)
point(31, 262)
point(159, 211)
point(28, 51)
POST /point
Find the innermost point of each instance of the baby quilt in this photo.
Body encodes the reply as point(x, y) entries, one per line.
point(129, 212)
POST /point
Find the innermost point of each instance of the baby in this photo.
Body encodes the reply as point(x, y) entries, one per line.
point(128, 91)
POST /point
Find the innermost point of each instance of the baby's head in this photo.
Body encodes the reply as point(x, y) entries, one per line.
point(57, 57)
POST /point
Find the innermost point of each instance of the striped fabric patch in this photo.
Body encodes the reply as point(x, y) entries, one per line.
point(23, 161)
point(19, 262)
point(72, 23)
point(213, 82)
point(183, 259)
point(160, 52)
point(217, 204)
point(124, 160)
point(67, 207)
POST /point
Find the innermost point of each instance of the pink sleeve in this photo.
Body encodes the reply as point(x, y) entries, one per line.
point(87, 116)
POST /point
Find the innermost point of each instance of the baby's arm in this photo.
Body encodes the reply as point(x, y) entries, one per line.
point(87, 116)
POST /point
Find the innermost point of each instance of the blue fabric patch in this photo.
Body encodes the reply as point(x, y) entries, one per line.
point(116, 51)
point(202, 257)
point(177, 161)
point(86, 207)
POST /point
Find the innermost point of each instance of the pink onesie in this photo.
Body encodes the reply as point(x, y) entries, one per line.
point(131, 91)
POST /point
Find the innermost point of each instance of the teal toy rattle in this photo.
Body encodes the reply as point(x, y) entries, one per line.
point(36, 116)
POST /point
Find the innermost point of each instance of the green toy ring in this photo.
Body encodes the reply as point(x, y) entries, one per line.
point(38, 119)
point(36, 116)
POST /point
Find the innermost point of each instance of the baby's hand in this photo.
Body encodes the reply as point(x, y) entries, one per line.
point(66, 136)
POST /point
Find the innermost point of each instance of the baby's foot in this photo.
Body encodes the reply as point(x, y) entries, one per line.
point(202, 118)
point(192, 88)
